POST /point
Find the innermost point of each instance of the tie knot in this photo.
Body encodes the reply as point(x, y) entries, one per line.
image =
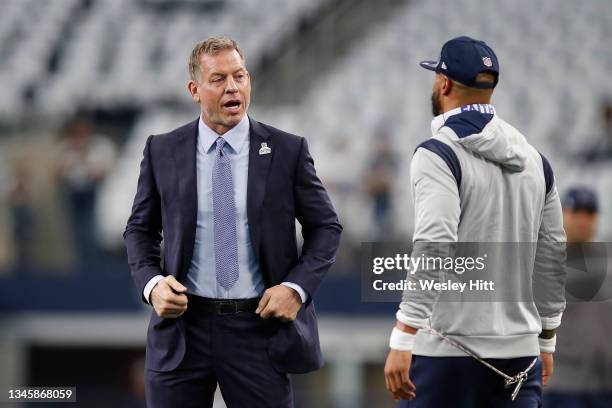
point(220, 144)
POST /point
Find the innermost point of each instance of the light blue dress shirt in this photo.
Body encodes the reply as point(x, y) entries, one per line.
point(201, 277)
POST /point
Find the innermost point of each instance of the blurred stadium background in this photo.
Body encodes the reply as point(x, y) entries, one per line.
point(84, 82)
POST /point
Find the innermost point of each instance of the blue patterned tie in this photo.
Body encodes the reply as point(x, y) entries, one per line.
point(224, 213)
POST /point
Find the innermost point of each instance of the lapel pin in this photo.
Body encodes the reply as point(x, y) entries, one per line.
point(264, 149)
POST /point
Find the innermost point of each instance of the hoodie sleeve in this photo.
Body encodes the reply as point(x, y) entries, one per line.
point(549, 268)
point(437, 210)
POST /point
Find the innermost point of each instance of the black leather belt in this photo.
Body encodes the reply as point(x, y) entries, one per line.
point(222, 307)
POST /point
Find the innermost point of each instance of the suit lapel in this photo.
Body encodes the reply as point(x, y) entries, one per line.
point(259, 164)
point(185, 161)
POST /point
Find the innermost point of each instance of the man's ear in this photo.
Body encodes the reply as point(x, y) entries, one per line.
point(192, 87)
point(447, 86)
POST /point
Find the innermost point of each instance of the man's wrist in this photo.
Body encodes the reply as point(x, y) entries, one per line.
point(302, 296)
point(149, 287)
point(401, 340)
point(547, 345)
point(405, 328)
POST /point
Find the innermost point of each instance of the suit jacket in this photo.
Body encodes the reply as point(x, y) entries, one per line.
point(282, 187)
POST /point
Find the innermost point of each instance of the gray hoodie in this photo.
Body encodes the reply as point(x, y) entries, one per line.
point(479, 180)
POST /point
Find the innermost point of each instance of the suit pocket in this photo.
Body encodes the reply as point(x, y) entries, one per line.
point(294, 347)
point(165, 343)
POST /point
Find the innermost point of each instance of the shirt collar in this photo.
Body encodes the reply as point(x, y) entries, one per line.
point(235, 137)
point(440, 120)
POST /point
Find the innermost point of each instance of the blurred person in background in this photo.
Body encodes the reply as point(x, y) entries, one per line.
point(583, 371)
point(469, 182)
point(20, 202)
point(379, 185)
point(602, 149)
point(580, 214)
point(85, 159)
point(233, 300)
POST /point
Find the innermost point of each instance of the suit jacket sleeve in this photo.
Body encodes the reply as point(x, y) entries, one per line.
point(143, 231)
point(320, 227)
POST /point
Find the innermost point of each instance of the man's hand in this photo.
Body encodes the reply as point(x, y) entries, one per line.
point(547, 366)
point(281, 302)
point(168, 298)
point(396, 375)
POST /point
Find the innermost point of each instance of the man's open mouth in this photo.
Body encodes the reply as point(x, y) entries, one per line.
point(233, 104)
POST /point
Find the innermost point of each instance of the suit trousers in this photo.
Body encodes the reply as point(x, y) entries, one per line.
point(228, 350)
point(463, 382)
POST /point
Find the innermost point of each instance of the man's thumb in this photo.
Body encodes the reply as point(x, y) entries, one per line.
point(175, 285)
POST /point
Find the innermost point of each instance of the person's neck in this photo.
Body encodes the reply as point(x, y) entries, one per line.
point(216, 127)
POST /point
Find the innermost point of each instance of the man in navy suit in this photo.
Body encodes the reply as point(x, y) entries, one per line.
point(232, 295)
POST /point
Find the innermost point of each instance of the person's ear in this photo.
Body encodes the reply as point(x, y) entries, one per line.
point(192, 87)
point(447, 86)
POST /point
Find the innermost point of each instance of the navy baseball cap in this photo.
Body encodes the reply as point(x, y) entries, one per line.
point(580, 199)
point(462, 59)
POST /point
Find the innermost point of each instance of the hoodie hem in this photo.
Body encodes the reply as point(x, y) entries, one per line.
point(514, 346)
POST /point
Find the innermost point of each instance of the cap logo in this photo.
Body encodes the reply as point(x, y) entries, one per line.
point(443, 66)
point(487, 61)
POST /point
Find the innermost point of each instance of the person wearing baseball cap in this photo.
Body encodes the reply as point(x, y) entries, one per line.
point(584, 349)
point(580, 210)
point(478, 180)
point(470, 66)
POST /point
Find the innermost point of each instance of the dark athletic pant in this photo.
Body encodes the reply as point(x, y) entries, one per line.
point(463, 382)
point(230, 351)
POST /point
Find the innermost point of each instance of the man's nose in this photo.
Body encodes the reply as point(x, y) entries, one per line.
point(231, 86)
